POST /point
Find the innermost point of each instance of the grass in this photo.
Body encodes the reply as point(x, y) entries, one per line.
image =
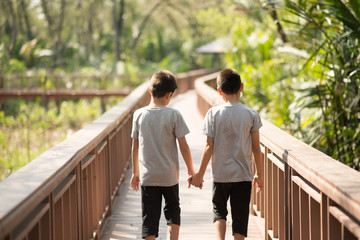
point(27, 129)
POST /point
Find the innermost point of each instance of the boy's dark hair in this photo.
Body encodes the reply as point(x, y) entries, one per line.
point(162, 82)
point(229, 81)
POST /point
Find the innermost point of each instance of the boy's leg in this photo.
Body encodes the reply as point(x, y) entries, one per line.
point(174, 230)
point(152, 237)
point(151, 210)
point(220, 228)
point(239, 201)
point(172, 210)
point(219, 199)
point(238, 236)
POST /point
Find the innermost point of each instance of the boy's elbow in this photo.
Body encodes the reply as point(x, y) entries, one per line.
point(209, 144)
point(209, 148)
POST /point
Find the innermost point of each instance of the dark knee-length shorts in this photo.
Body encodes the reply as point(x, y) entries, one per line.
point(151, 197)
point(239, 194)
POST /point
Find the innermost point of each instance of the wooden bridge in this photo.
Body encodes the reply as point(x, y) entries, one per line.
point(79, 189)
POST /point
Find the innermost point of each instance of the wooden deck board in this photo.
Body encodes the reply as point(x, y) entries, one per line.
point(196, 206)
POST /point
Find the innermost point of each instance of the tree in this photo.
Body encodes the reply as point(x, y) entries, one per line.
point(118, 16)
point(25, 14)
point(330, 31)
point(55, 26)
point(14, 32)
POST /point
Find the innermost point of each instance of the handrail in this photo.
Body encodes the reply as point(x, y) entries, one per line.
point(307, 194)
point(56, 80)
point(67, 191)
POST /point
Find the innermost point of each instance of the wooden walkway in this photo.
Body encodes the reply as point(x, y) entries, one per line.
point(196, 206)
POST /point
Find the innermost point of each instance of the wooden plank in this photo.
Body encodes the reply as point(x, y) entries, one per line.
point(196, 204)
point(347, 222)
point(307, 188)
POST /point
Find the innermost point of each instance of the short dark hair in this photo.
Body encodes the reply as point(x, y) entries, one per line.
point(162, 82)
point(229, 81)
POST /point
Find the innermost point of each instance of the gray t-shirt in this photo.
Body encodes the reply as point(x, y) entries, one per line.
point(231, 125)
point(157, 129)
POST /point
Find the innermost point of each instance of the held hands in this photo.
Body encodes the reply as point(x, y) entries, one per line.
point(195, 180)
point(258, 181)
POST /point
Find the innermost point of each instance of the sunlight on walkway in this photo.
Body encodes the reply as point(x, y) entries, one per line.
point(196, 206)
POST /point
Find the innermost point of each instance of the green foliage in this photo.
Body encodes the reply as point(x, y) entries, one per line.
point(29, 129)
point(308, 85)
point(330, 32)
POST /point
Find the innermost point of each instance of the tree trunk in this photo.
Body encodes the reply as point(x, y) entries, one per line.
point(90, 29)
point(118, 25)
point(48, 18)
point(13, 29)
point(19, 13)
point(280, 29)
point(144, 22)
point(58, 43)
point(55, 33)
point(27, 20)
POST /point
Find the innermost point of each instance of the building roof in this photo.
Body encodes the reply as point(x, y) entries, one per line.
point(220, 45)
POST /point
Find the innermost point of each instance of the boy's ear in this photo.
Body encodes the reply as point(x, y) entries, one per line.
point(168, 95)
point(241, 87)
point(150, 91)
point(220, 92)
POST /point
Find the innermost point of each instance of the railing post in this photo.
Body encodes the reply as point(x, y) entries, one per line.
point(79, 208)
point(295, 209)
point(267, 191)
point(51, 218)
point(95, 195)
point(287, 200)
point(324, 216)
point(109, 178)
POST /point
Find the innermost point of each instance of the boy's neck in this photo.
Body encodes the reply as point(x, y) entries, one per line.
point(231, 98)
point(158, 102)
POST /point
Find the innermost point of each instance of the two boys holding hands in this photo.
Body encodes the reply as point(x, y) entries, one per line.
point(232, 131)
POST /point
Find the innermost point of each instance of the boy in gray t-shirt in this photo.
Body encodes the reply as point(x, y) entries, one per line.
point(232, 131)
point(155, 157)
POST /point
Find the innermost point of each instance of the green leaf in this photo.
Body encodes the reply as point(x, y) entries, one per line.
point(343, 13)
point(355, 5)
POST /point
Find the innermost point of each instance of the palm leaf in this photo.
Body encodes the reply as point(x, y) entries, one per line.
point(343, 13)
point(297, 10)
point(355, 5)
point(313, 54)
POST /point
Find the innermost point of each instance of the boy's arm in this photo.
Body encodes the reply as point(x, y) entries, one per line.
point(197, 179)
point(255, 141)
point(135, 179)
point(185, 152)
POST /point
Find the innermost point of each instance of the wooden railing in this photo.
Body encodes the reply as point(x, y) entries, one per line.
point(74, 81)
point(307, 194)
point(50, 86)
point(67, 192)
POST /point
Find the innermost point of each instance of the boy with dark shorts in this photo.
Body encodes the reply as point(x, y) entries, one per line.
point(155, 158)
point(232, 131)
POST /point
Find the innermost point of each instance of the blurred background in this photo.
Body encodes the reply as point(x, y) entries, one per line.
point(299, 61)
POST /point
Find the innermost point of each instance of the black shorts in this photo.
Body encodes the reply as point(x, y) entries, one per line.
point(151, 197)
point(239, 193)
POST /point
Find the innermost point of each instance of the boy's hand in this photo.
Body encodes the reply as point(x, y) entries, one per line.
point(135, 180)
point(189, 181)
point(197, 181)
point(258, 182)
